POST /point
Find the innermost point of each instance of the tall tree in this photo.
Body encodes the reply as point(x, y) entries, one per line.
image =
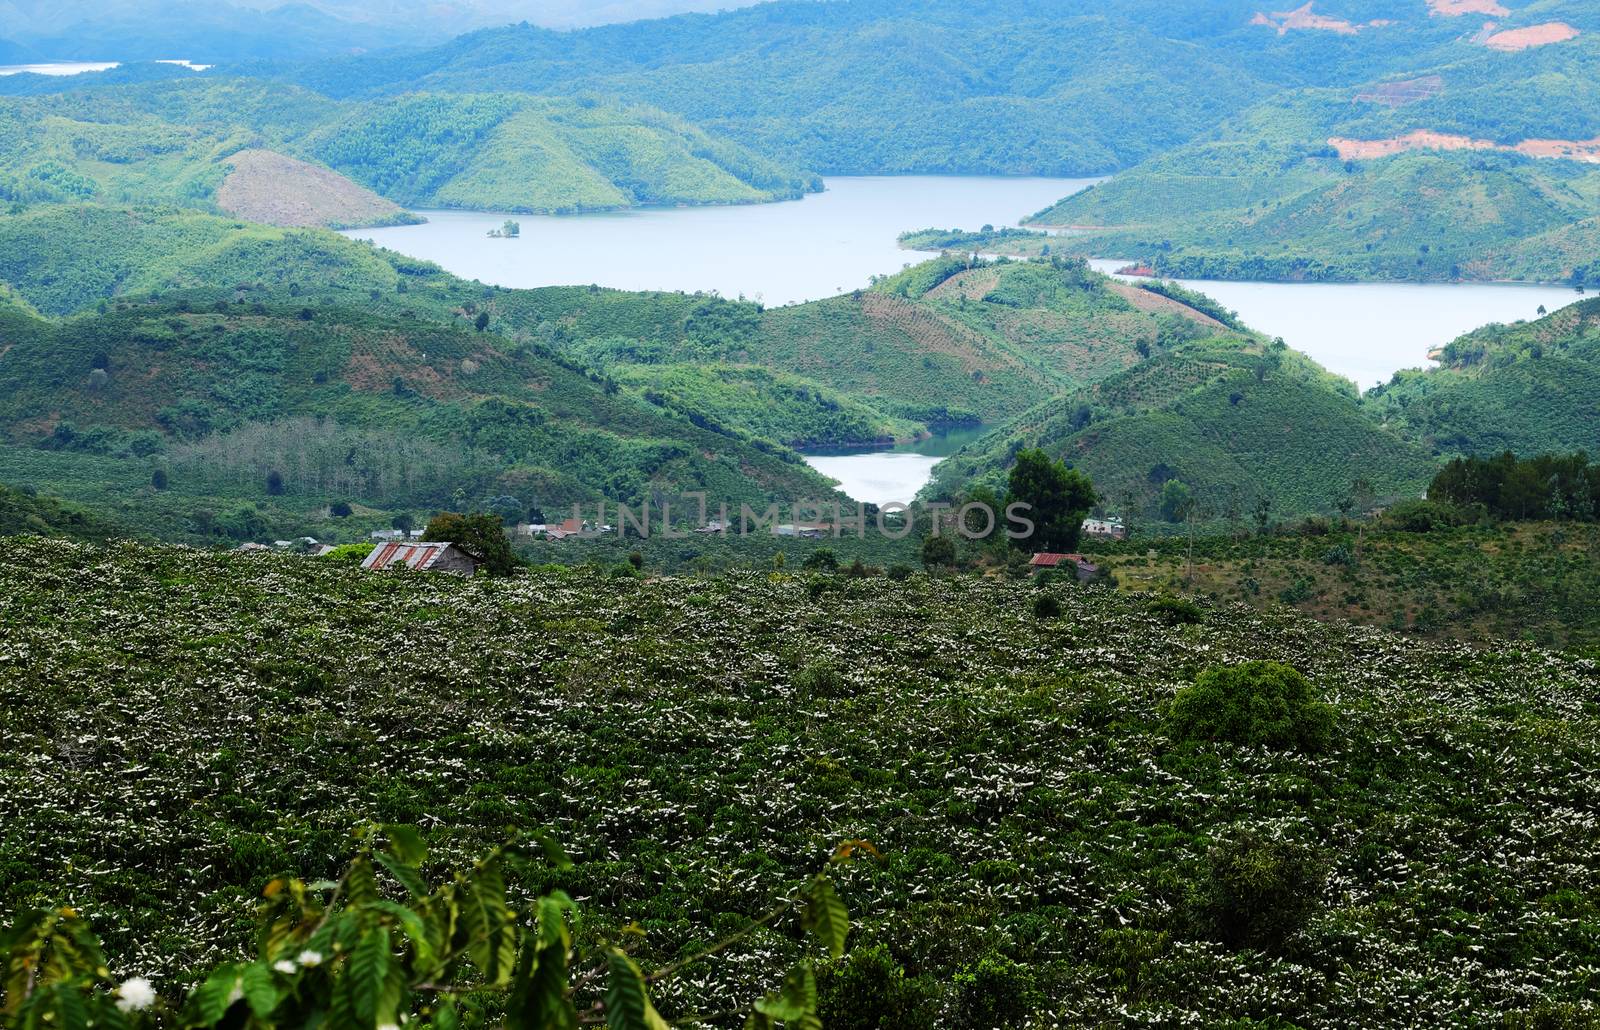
point(1059, 498)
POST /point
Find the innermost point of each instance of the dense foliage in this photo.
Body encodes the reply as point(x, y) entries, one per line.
point(212, 723)
point(1508, 487)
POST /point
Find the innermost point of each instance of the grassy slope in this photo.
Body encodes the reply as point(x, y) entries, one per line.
point(1236, 421)
point(169, 142)
point(1013, 772)
point(490, 416)
point(1530, 388)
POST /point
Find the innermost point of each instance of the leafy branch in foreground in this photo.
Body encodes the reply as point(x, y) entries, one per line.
point(347, 954)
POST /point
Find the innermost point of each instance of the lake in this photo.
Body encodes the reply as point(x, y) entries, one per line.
point(1367, 331)
point(786, 253)
point(893, 474)
point(80, 67)
point(831, 242)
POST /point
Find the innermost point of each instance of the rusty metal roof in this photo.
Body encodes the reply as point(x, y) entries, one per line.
point(419, 556)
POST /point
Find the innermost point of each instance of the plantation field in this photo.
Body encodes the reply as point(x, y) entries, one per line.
point(1530, 581)
point(1057, 849)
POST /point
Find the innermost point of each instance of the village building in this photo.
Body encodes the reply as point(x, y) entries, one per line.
point(1105, 529)
point(423, 557)
point(1082, 567)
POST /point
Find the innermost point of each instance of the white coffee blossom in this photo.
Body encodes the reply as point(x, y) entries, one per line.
point(135, 994)
point(309, 958)
point(284, 966)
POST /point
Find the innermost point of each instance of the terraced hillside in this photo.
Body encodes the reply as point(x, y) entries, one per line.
point(1238, 423)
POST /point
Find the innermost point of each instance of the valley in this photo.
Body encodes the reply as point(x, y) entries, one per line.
point(523, 515)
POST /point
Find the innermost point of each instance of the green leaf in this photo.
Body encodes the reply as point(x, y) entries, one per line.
point(367, 975)
point(360, 885)
point(826, 916)
point(445, 1017)
point(70, 1011)
point(488, 924)
point(796, 1002)
point(260, 989)
point(423, 945)
point(405, 875)
point(212, 999)
point(538, 999)
point(406, 845)
point(628, 1004)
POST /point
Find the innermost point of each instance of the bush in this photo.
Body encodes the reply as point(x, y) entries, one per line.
point(822, 558)
point(996, 992)
point(899, 572)
point(1258, 890)
point(1045, 606)
point(355, 554)
point(1424, 516)
point(1264, 704)
point(868, 990)
point(1175, 611)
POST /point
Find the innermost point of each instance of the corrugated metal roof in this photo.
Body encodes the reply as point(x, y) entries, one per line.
point(419, 556)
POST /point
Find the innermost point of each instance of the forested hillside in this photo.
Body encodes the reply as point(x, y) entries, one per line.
point(203, 144)
point(324, 373)
point(1532, 388)
point(1474, 162)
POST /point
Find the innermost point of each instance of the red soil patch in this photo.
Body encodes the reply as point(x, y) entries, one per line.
point(1305, 18)
point(1143, 271)
point(1399, 94)
point(1534, 35)
point(1456, 8)
point(1587, 151)
point(1422, 139)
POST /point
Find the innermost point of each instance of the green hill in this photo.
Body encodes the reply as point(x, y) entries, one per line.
point(1236, 422)
point(1531, 388)
point(1477, 165)
point(199, 144)
point(1055, 848)
point(947, 341)
point(290, 399)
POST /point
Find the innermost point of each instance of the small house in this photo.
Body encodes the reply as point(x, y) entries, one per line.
point(1082, 567)
point(1105, 529)
point(385, 535)
point(423, 557)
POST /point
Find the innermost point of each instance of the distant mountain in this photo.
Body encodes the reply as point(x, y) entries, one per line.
point(1479, 159)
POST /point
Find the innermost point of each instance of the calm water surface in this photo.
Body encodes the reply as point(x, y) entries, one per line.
point(1367, 331)
point(890, 475)
point(79, 67)
point(785, 253)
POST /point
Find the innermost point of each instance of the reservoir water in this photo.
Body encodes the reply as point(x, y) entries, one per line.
point(783, 253)
point(890, 475)
point(828, 243)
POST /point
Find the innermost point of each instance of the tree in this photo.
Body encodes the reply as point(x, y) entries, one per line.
point(938, 551)
point(339, 509)
point(482, 321)
point(403, 522)
point(274, 483)
point(158, 479)
point(1177, 500)
point(480, 534)
point(1059, 499)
